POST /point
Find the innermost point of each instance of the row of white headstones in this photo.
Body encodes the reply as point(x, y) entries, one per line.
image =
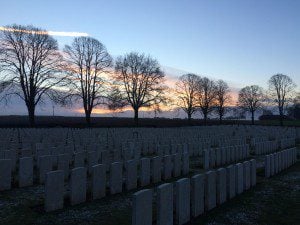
point(203, 192)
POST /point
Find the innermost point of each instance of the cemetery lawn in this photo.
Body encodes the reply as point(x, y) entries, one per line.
point(272, 201)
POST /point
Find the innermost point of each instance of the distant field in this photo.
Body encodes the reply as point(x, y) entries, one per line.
point(60, 121)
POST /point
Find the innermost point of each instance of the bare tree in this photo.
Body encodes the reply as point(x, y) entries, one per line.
point(141, 81)
point(250, 99)
point(157, 110)
point(281, 89)
point(115, 101)
point(88, 63)
point(186, 92)
point(3, 86)
point(294, 110)
point(206, 96)
point(32, 65)
point(223, 97)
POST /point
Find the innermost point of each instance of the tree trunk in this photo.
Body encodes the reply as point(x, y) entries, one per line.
point(281, 116)
point(205, 118)
point(31, 114)
point(136, 117)
point(252, 117)
point(220, 118)
point(189, 118)
point(88, 118)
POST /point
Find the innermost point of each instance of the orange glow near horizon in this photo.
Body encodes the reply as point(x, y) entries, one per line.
point(102, 111)
point(95, 111)
point(105, 111)
point(170, 82)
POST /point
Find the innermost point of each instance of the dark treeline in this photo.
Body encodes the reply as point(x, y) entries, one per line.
point(33, 68)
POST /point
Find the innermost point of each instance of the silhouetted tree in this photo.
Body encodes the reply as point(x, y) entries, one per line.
point(223, 97)
point(281, 89)
point(141, 81)
point(186, 92)
point(206, 96)
point(3, 86)
point(88, 62)
point(250, 99)
point(294, 110)
point(115, 101)
point(157, 109)
point(32, 65)
point(267, 112)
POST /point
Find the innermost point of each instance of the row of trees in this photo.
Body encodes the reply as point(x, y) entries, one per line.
point(281, 92)
point(205, 95)
point(195, 93)
point(33, 68)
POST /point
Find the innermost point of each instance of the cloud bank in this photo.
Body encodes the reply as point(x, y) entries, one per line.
point(52, 33)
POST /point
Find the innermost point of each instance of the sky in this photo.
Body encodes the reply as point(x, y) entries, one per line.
point(243, 42)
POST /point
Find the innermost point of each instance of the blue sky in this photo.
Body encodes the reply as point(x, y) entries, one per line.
point(241, 41)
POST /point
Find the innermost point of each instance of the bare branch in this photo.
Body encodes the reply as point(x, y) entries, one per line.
point(223, 98)
point(141, 81)
point(206, 96)
point(88, 63)
point(281, 89)
point(32, 64)
point(251, 98)
point(187, 92)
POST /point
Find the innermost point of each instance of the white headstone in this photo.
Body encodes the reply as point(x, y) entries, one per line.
point(221, 186)
point(145, 172)
point(78, 185)
point(45, 166)
point(54, 190)
point(142, 207)
point(239, 178)
point(165, 204)
point(267, 166)
point(116, 178)
point(247, 175)
point(197, 194)
point(167, 167)
point(253, 172)
point(156, 169)
point(210, 190)
point(230, 181)
point(182, 205)
point(25, 172)
point(131, 174)
point(98, 181)
point(5, 174)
